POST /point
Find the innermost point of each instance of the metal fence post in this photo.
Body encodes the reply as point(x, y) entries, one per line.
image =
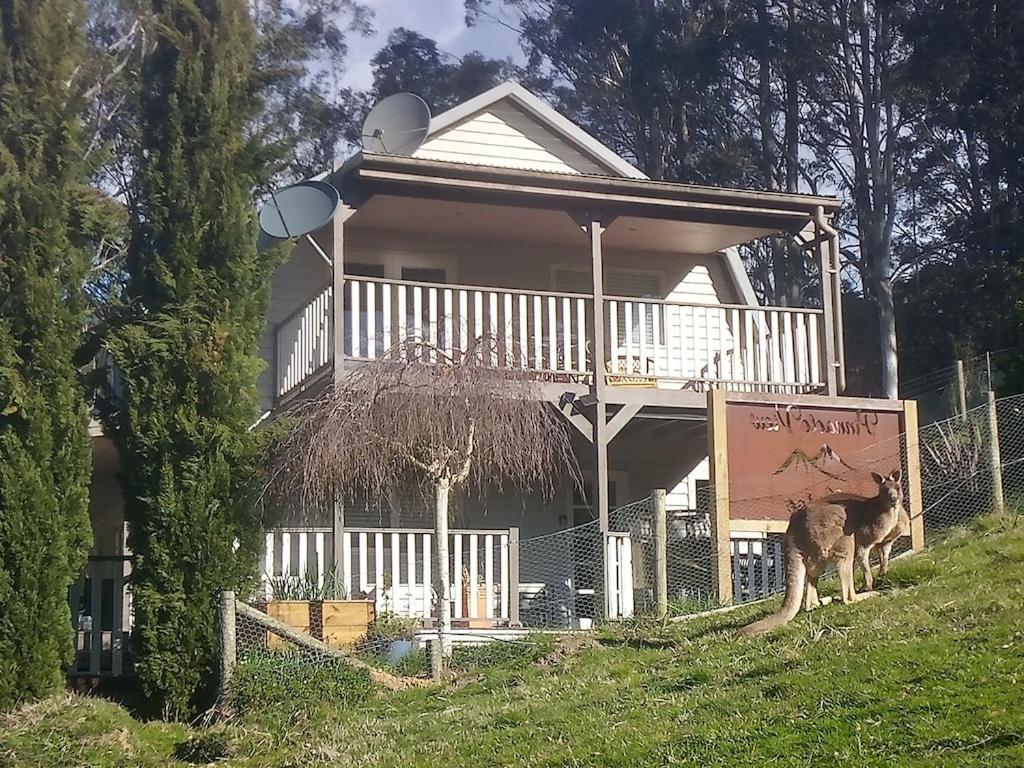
point(995, 462)
point(227, 640)
point(513, 577)
point(660, 552)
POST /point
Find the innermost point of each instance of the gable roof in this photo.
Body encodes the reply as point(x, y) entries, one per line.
point(601, 159)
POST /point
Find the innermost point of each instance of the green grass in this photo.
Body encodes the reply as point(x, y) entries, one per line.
point(930, 674)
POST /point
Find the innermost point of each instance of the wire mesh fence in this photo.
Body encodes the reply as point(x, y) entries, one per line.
point(648, 562)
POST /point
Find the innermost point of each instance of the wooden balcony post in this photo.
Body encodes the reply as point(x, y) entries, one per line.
point(827, 305)
point(338, 289)
point(595, 229)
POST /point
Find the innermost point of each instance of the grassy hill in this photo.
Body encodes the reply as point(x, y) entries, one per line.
point(931, 674)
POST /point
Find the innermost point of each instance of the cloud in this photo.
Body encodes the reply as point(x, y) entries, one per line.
point(442, 20)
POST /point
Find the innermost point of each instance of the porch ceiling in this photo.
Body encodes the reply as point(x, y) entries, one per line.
point(438, 218)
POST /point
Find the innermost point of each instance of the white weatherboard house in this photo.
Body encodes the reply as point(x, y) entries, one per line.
point(622, 293)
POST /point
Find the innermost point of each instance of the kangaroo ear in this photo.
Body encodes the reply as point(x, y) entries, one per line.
point(896, 475)
point(877, 478)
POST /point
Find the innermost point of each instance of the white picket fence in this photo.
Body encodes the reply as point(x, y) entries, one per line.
point(619, 575)
point(394, 568)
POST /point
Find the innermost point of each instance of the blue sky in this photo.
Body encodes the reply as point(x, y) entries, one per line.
point(443, 20)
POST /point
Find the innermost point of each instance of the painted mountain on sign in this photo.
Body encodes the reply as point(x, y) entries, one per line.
point(826, 461)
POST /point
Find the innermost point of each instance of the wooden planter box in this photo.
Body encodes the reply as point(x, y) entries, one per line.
point(345, 621)
point(339, 623)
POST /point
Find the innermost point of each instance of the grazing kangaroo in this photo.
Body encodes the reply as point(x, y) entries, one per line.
point(839, 528)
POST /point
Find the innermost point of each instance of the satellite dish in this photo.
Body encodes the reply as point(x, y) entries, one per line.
point(299, 209)
point(397, 125)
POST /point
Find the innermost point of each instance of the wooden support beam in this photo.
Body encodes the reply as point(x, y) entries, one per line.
point(720, 524)
point(620, 419)
point(915, 500)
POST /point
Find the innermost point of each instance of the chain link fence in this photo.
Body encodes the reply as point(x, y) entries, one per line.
point(651, 561)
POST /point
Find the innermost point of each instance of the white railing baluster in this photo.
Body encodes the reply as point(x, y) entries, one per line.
point(538, 334)
point(503, 580)
point(815, 349)
point(552, 334)
point(378, 572)
point(508, 356)
point(581, 336)
point(463, 345)
point(385, 316)
point(433, 319)
point(492, 326)
point(474, 576)
point(353, 319)
point(410, 566)
point(478, 319)
point(318, 542)
point(427, 577)
point(268, 566)
point(371, 320)
point(457, 611)
point(566, 335)
point(613, 335)
point(449, 323)
point(347, 582)
point(396, 560)
point(489, 576)
point(641, 321)
point(801, 349)
point(524, 333)
point(417, 320)
point(402, 316)
point(627, 314)
point(364, 580)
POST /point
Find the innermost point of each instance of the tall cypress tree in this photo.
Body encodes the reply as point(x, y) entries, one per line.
point(189, 355)
point(44, 446)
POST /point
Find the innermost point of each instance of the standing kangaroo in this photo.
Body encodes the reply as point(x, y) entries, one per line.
point(839, 528)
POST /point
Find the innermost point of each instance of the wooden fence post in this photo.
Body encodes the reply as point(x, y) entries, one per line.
point(661, 552)
point(961, 390)
point(995, 460)
point(718, 459)
point(228, 652)
point(913, 480)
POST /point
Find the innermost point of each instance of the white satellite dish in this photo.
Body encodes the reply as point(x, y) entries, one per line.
point(397, 125)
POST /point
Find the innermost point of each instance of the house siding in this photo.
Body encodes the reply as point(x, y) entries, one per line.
point(505, 136)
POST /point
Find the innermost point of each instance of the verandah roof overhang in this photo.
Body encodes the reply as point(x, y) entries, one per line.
point(366, 174)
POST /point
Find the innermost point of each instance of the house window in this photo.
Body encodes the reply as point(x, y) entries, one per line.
point(424, 274)
point(625, 283)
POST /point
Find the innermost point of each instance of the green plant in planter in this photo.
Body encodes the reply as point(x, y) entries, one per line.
point(308, 588)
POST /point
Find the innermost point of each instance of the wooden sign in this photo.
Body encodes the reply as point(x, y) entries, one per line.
point(772, 453)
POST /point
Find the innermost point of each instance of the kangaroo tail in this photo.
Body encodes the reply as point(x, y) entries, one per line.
point(796, 574)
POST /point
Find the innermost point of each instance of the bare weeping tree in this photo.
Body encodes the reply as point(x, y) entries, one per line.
point(422, 418)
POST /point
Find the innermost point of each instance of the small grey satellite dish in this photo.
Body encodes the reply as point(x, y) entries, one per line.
point(397, 125)
point(299, 209)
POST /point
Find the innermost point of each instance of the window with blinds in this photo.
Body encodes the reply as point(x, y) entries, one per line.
point(622, 283)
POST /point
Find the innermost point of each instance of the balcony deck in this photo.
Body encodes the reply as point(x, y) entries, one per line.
point(650, 342)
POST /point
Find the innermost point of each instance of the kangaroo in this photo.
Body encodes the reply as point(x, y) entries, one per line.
point(839, 528)
point(902, 528)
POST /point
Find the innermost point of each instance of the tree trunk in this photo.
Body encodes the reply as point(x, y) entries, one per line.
point(442, 584)
point(887, 336)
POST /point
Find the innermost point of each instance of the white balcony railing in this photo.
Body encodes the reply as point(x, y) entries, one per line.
point(752, 348)
point(747, 348)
